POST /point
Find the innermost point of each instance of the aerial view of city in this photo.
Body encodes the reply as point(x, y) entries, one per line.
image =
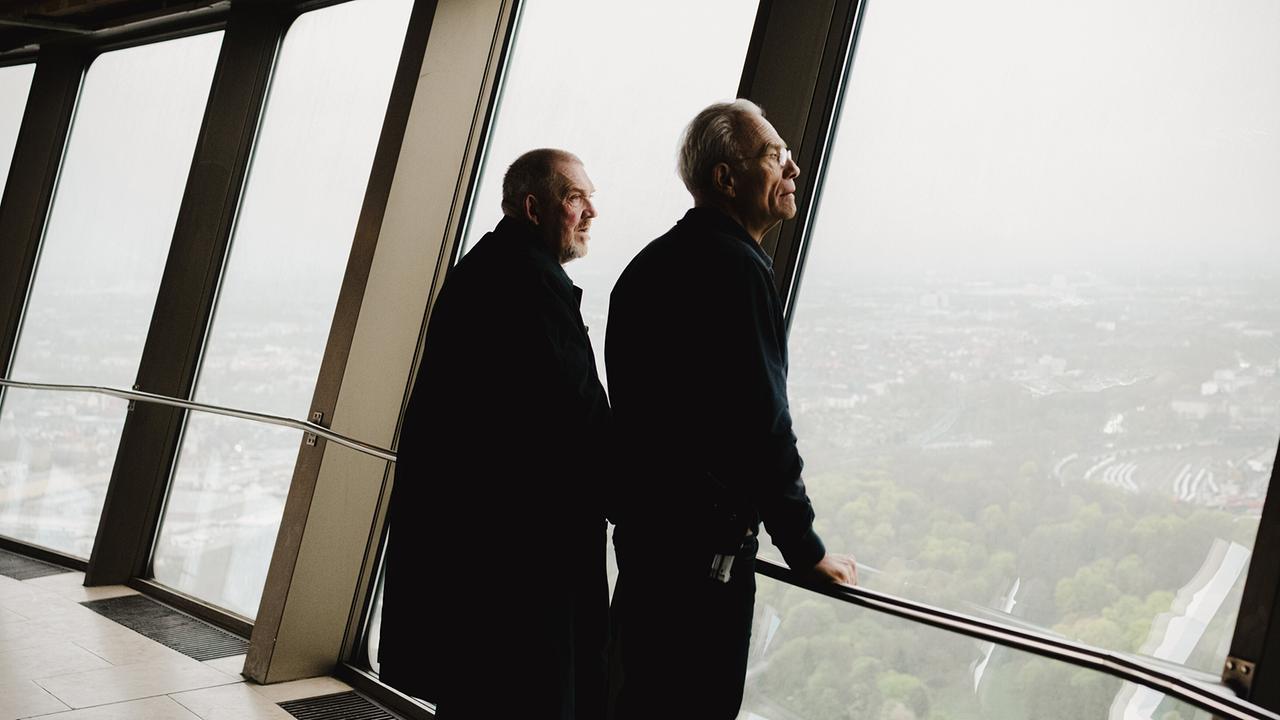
point(1078, 453)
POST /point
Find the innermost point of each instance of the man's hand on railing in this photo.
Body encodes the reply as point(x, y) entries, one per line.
point(837, 568)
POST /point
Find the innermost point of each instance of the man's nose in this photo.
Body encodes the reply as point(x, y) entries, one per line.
point(590, 209)
point(791, 169)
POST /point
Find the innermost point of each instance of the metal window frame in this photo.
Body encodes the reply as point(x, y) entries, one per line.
point(185, 300)
point(196, 258)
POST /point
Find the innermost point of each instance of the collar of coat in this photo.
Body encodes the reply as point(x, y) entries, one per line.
point(518, 236)
point(709, 219)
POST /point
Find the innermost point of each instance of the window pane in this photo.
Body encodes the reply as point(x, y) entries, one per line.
point(301, 202)
point(104, 250)
point(1034, 356)
point(220, 523)
point(15, 83)
point(815, 658)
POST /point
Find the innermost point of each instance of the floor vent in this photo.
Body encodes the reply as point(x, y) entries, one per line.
point(177, 630)
point(24, 568)
point(343, 706)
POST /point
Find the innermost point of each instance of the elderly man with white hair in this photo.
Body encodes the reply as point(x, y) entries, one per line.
point(697, 361)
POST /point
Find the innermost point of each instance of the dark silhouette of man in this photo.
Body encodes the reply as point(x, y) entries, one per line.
point(697, 360)
point(496, 603)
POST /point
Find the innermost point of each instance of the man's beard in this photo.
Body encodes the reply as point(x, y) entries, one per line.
point(572, 249)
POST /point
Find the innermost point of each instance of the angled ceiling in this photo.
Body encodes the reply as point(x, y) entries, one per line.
point(26, 23)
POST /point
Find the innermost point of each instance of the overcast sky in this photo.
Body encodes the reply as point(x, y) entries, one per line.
point(1022, 131)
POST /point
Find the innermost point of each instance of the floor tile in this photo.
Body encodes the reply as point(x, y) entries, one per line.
point(129, 682)
point(71, 585)
point(231, 702)
point(10, 587)
point(25, 634)
point(48, 660)
point(229, 665)
point(155, 708)
point(33, 602)
point(311, 687)
point(24, 699)
point(71, 619)
point(67, 579)
point(128, 648)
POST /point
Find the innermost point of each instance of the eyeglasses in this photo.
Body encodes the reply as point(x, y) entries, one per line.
point(775, 155)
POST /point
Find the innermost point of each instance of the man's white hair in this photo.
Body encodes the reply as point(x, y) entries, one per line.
point(713, 136)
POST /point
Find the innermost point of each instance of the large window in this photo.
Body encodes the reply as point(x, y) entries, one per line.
point(100, 263)
point(1034, 351)
point(15, 83)
point(289, 251)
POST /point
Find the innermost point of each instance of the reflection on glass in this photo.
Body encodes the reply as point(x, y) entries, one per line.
point(1034, 355)
point(56, 454)
point(220, 523)
point(610, 99)
point(15, 83)
point(814, 658)
point(301, 202)
point(373, 630)
point(104, 250)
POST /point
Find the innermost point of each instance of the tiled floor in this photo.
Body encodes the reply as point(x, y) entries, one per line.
point(61, 661)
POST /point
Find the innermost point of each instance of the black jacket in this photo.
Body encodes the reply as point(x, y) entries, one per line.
point(495, 596)
point(697, 359)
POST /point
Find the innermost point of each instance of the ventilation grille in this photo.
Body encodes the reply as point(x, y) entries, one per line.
point(171, 628)
point(24, 568)
point(342, 706)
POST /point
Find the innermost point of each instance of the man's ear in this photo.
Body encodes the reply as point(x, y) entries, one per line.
point(722, 180)
point(531, 209)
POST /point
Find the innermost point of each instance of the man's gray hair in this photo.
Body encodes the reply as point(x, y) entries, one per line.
point(535, 173)
point(713, 136)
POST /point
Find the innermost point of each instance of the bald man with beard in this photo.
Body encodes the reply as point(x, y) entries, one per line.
point(496, 602)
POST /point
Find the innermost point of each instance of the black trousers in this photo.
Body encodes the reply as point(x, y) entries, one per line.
point(680, 638)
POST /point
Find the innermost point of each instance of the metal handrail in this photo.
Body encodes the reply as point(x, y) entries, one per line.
point(147, 397)
point(1128, 669)
point(1056, 648)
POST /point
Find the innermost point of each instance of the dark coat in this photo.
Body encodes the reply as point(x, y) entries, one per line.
point(495, 603)
point(697, 359)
